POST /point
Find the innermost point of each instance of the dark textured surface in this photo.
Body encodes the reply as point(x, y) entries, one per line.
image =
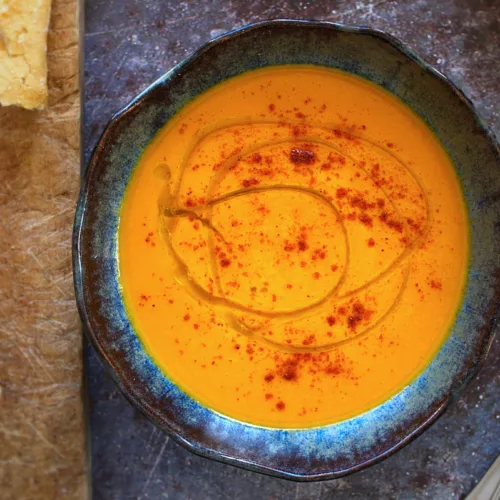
point(130, 43)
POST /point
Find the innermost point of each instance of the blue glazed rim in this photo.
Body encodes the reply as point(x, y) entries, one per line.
point(310, 454)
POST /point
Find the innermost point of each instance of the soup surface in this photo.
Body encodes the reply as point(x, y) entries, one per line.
point(293, 246)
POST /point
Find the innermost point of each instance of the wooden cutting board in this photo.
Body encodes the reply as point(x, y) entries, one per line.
point(42, 449)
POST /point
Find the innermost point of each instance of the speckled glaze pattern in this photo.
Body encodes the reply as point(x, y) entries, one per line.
point(338, 449)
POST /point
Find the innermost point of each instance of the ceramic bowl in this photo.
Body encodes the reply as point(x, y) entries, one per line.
point(333, 450)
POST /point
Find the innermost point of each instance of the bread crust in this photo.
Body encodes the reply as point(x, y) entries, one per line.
point(23, 53)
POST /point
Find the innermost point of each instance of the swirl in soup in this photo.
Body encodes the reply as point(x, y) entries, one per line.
point(293, 246)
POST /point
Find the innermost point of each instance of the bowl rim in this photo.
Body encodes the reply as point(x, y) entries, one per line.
point(127, 388)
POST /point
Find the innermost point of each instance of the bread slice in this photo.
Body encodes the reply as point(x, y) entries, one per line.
point(23, 52)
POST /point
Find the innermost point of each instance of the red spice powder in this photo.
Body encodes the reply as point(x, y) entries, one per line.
point(302, 156)
point(280, 405)
point(436, 284)
point(309, 340)
point(330, 320)
point(371, 242)
point(336, 158)
point(268, 396)
point(334, 369)
point(334, 267)
point(225, 262)
point(269, 377)
point(250, 182)
point(341, 193)
point(150, 240)
point(413, 225)
point(397, 226)
point(358, 314)
point(319, 254)
point(289, 367)
point(289, 370)
point(256, 158)
point(366, 220)
point(272, 107)
point(186, 317)
point(360, 202)
point(303, 246)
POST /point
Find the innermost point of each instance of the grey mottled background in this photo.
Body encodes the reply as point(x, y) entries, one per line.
point(128, 44)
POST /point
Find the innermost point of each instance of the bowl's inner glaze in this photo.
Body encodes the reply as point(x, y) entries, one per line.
point(337, 449)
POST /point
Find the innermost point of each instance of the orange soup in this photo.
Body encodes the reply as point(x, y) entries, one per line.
point(293, 247)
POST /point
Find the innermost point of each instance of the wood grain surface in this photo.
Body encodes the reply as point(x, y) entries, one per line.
point(41, 417)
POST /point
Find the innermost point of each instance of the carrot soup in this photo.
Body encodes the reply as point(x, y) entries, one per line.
point(293, 246)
